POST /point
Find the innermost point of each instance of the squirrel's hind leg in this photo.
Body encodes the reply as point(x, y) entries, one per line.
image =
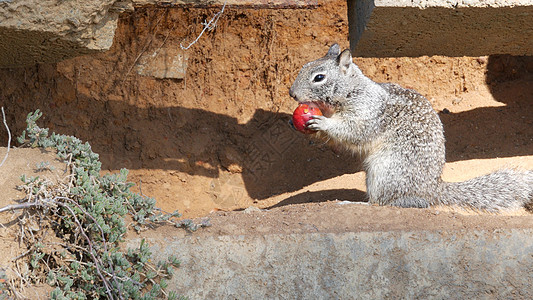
point(410, 201)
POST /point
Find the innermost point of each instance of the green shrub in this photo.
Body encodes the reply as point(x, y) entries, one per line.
point(81, 223)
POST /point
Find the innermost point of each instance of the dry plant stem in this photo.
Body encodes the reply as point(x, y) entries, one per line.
point(72, 176)
point(9, 137)
point(91, 253)
point(156, 52)
point(20, 206)
point(97, 262)
point(13, 289)
point(22, 255)
point(211, 25)
point(101, 232)
point(87, 214)
point(22, 279)
point(88, 240)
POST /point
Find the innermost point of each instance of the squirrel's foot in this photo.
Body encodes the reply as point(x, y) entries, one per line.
point(318, 123)
point(412, 202)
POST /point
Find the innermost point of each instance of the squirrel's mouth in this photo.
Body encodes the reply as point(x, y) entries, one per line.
point(327, 109)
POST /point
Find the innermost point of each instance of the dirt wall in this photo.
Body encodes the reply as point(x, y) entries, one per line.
point(218, 138)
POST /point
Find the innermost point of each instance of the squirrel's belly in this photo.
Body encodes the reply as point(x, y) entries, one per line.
point(365, 149)
point(379, 170)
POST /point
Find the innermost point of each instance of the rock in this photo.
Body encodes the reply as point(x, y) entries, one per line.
point(168, 62)
point(47, 31)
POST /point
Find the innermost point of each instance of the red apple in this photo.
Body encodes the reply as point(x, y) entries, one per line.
point(302, 114)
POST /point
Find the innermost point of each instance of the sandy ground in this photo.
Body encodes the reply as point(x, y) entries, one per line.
point(315, 205)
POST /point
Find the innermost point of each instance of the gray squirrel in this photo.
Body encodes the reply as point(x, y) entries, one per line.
point(400, 138)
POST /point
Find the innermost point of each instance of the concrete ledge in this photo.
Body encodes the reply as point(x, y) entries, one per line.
point(453, 262)
point(364, 265)
point(380, 28)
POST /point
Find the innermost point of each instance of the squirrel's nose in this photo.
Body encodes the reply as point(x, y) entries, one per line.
point(291, 93)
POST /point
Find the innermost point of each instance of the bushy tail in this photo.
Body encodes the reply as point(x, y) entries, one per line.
point(501, 190)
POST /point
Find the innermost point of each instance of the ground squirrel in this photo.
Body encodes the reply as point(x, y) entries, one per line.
point(400, 139)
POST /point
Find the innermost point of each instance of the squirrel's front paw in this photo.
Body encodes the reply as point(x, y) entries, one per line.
point(318, 123)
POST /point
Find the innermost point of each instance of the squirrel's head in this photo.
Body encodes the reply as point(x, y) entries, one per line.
point(325, 80)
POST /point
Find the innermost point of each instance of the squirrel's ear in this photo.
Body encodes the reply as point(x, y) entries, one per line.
point(334, 50)
point(345, 61)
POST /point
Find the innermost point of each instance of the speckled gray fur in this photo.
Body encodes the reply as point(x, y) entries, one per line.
point(400, 139)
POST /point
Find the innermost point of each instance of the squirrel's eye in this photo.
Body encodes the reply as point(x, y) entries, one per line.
point(319, 78)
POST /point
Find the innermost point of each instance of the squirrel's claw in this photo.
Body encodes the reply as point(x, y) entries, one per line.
point(316, 123)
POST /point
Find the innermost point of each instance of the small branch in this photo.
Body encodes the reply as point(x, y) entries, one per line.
point(211, 25)
point(19, 206)
point(87, 214)
point(23, 254)
point(9, 137)
point(141, 189)
point(96, 261)
point(51, 203)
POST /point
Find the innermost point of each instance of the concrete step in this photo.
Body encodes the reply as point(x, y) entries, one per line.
point(381, 28)
point(316, 252)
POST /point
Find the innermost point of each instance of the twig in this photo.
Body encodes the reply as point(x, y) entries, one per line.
point(23, 254)
point(85, 213)
point(211, 25)
point(19, 206)
point(73, 177)
point(47, 202)
point(82, 231)
point(12, 286)
point(141, 188)
point(123, 279)
point(97, 262)
point(22, 279)
point(9, 137)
